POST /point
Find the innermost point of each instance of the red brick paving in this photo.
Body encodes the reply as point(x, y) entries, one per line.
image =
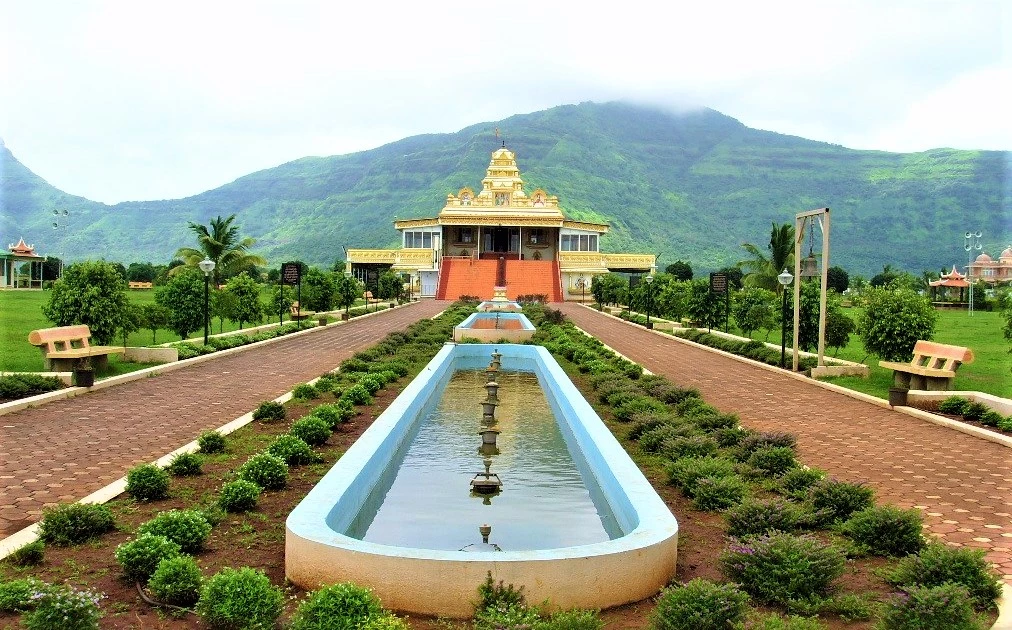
point(67, 449)
point(962, 484)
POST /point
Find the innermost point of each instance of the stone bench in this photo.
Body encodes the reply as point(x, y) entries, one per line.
point(297, 315)
point(933, 367)
point(63, 346)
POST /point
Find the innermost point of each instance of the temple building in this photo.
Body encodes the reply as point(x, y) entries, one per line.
point(994, 272)
point(498, 236)
point(21, 267)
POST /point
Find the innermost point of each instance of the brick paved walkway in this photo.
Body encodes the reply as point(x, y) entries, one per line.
point(962, 484)
point(65, 450)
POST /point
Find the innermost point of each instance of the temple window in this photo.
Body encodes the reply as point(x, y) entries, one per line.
point(579, 242)
point(536, 236)
point(418, 240)
point(466, 235)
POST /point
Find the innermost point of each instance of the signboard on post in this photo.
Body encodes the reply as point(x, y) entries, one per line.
point(718, 282)
point(291, 273)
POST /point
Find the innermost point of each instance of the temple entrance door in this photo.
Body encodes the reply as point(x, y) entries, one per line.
point(500, 239)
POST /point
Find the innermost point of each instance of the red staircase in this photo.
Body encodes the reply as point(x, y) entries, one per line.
point(532, 277)
point(466, 276)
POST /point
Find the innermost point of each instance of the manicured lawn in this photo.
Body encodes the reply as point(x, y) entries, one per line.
point(21, 313)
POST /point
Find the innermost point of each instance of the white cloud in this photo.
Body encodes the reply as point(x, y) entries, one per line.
point(123, 100)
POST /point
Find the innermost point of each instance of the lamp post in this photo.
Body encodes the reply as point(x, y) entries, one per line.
point(207, 266)
point(785, 279)
point(971, 243)
point(582, 283)
point(57, 225)
point(650, 299)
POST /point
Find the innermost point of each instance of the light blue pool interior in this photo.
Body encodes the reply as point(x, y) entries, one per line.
point(633, 515)
point(525, 323)
point(490, 305)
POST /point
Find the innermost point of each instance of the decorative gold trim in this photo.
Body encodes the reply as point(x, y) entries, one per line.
point(585, 225)
point(406, 224)
point(504, 220)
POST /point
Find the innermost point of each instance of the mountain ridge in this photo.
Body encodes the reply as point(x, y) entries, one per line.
point(689, 186)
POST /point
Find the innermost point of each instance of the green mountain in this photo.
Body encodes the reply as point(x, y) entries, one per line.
point(690, 186)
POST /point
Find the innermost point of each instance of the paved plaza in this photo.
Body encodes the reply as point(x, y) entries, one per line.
point(67, 449)
point(962, 484)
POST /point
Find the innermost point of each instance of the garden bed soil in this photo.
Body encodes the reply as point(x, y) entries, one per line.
point(257, 539)
point(932, 407)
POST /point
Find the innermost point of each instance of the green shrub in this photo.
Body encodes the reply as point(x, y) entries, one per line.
point(1005, 424)
point(239, 496)
point(14, 386)
point(240, 599)
point(764, 439)
point(939, 564)
point(386, 621)
point(354, 364)
point(269, 411)
point(312, 430)
point(779, 568)
point(211, 442)
point(839, 499)
point(849, 607)
point(305, 391)
point(492, 595)
point(644, 422)
point(294, 451)
point(718, 493)
point(797, 481)
point(343, 606)
point(28, 555)
point(730, 437)
point(640, 404)
point(953, 405)
point(755, 517)
point(975, 411)
point(776, 622)
point(991, 418)
point(946, 606)
point(147, 482)
point(716, 421)
point(357, 395)
point(140, 556)
point(265, 470)
point(886, 530)
point(333, 414)
point(570, 620)
point(185, 465)
point(372, 383)
point(685, 472)
point(652, 439)
point(177, 581)
point(20, 595)
point(690, 446)
point(700, 605)
point(773, 460)
point(64, 608)
point(187, 528)
point(74, 523)
point(893, 320)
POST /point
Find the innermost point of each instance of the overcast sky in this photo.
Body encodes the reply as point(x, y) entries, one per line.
point(127, 100)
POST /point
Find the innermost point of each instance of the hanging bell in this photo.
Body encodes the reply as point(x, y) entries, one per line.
point(809, 266)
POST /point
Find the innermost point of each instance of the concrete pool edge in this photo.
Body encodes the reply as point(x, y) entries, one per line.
point(420, 581)
point(466, 330)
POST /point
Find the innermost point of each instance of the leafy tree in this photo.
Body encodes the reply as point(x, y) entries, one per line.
point(763, 268)
point(893, 321)
point(130, 321)
point(887, 275)
point(317, 290)
point(282, 298)
point(183, 296)
point(140, 272)
point(735, 278)
point(672, 299)
point(51, 268)
point(338, 266)
point(390, 286)
point(120, 269)
point(220, 242)
point(346, 290)
point(91, 293)
point(680, 270)
point(609, 288)
point(153, 317)
point(838, 329)
point(704, 306)
point(755, 308)
point(273, 275)
point(222, 307)
point(247, 306)
point(837, 279)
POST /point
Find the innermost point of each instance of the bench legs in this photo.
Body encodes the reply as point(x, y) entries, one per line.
point(99, 362)
point(906, 380)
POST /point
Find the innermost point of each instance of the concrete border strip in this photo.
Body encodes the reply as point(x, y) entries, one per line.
point(962, 427)
point(70, 392)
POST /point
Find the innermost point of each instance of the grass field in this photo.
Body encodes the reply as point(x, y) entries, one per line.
point(21, 313)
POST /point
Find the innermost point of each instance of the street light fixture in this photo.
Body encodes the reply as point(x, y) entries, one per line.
point(785, 279)
point(971, 243)
point(650, 299)
point(207, 266)
point(582, 283)
point(60, 220)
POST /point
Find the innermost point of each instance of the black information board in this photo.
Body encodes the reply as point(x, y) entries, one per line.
point(291, 273)
point(718, 282)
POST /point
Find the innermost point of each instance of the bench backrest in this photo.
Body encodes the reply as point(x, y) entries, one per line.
point(939, 355)
point(294, 308)
point(61, 337)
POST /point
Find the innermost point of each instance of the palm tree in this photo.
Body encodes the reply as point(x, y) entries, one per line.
point(220, 242)
point(762, 270)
